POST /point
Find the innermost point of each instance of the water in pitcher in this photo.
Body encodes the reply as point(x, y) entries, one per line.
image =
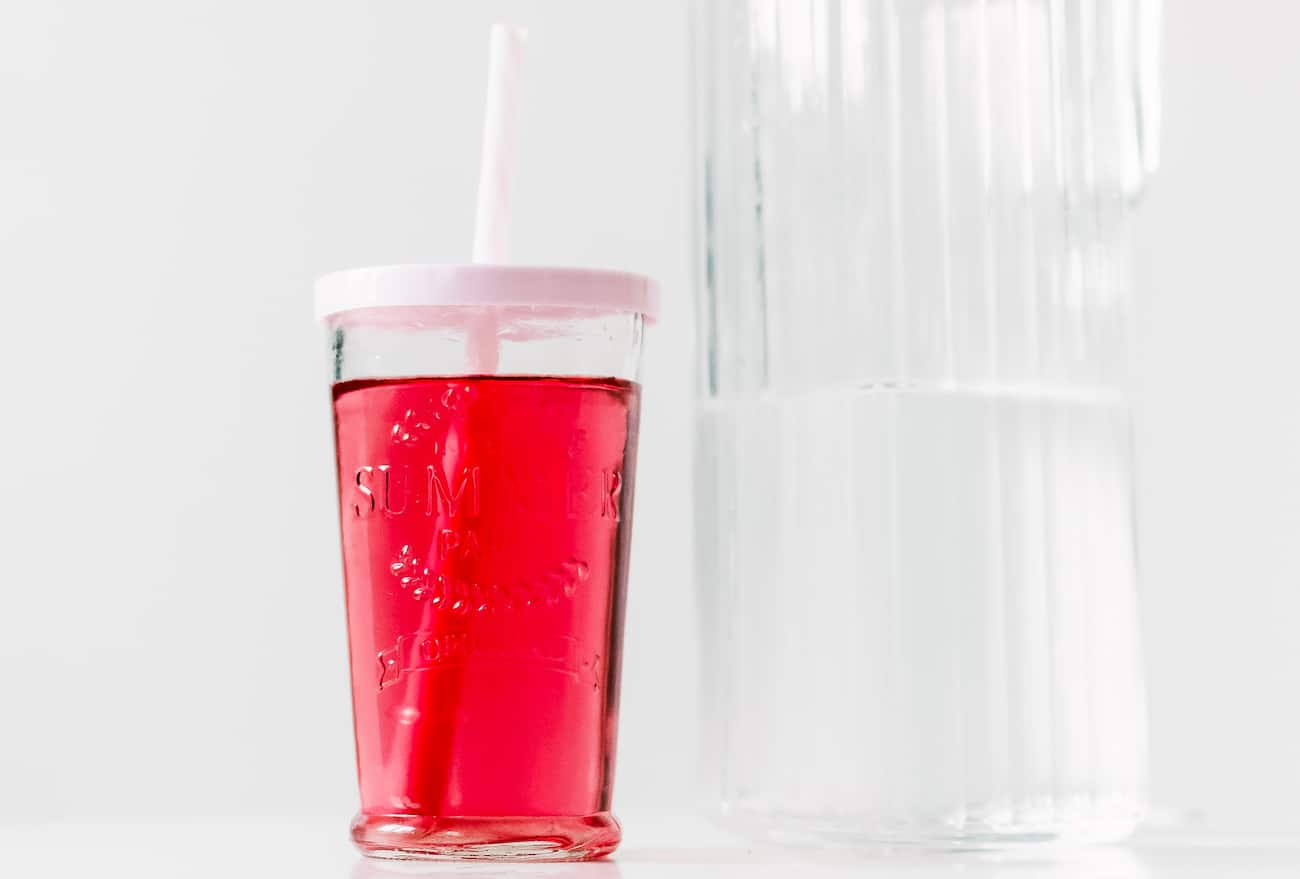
point(925, 599)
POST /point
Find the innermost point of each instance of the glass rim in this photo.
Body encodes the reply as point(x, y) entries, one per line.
point(414, 285)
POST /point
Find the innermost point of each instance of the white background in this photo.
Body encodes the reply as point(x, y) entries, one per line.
point(174, 175)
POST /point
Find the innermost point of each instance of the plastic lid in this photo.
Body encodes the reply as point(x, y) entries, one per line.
point(485, 284)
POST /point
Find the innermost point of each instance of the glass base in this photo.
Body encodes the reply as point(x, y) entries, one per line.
point(428, 838)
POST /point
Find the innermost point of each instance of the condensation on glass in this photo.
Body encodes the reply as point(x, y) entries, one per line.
point(914, 457)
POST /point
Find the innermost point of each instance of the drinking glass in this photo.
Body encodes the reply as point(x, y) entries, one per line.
point(485, 426)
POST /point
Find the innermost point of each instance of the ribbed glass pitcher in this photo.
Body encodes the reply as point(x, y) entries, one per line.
point(914, 461)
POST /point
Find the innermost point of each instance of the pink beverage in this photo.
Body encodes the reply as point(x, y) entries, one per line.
point(485, 524)
point(485, 423)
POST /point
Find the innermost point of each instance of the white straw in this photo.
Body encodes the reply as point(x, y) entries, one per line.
point(500, 144)
point(496, 176)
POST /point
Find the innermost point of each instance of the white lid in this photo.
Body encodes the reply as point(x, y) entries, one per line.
point(485, 284)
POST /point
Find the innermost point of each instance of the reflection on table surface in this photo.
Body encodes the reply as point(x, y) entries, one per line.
point(653, 849)
point(1277, 858)
point(368, 868)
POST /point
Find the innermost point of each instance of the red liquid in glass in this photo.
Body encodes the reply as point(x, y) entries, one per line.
point(485, 525)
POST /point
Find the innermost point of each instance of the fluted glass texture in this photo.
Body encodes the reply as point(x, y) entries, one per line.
point(914, 464)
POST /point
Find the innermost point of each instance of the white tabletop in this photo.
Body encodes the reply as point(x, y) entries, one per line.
point(654, 846)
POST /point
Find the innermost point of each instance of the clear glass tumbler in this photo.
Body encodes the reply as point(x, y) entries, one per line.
point(914, 460)
point(485, 426)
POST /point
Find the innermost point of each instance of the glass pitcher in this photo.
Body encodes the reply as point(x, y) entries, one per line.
point(914, 459)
